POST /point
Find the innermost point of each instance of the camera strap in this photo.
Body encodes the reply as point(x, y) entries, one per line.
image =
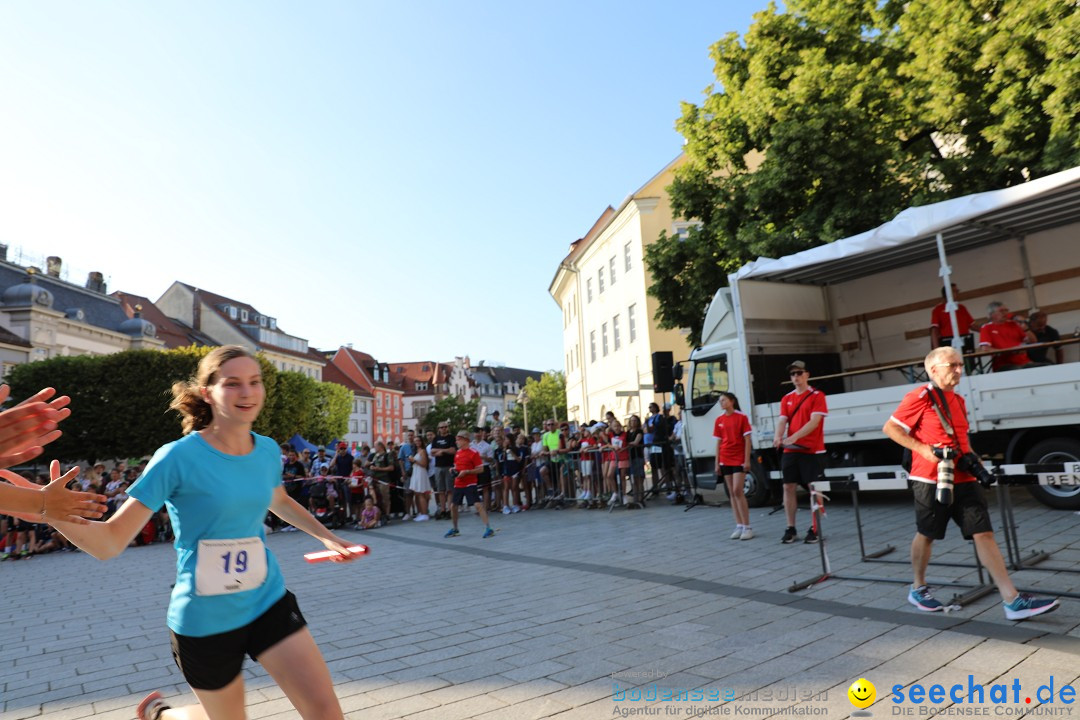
point(939, 403)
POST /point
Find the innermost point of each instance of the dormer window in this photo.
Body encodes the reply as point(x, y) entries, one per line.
point(231, 310)
point(243, 315)
point(273, 323)
point(262, 321)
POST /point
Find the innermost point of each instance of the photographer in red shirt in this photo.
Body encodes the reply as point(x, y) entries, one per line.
point(932, 423)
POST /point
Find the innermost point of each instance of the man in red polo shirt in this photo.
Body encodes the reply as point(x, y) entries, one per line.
point(468, 465)
point(935, 416)
point(801, 433)
point(1001, 333)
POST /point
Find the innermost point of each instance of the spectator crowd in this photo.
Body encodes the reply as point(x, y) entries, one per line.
point(556, 465)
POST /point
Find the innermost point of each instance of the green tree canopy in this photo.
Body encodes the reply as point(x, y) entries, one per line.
point(120, 402)
point(460, 415)
point(547, 399)
point(829, 118)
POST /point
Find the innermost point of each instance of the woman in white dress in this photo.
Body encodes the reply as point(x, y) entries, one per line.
point(419, 483)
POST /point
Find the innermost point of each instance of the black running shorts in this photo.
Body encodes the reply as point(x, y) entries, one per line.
point(467, 495)
point(801, 468)
point(214, 661)
point(968, 510)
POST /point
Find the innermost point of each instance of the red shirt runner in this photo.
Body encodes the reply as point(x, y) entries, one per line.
point(467, 459)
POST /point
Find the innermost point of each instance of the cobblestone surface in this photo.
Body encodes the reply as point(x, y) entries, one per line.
point(564, 610)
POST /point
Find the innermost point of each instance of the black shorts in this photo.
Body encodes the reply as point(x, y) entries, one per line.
point(726, 470)
point(466, 494)
point(484, 478)
point(968, 510)
point(801, 468)
point(214, 661)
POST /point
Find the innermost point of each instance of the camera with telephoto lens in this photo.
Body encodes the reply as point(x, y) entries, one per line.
point(970, 463)
point(945, 474)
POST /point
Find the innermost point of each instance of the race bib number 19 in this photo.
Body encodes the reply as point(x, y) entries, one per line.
point(230, 566)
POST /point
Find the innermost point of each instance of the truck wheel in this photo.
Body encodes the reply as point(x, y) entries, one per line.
point(756, 486)
point(1055, 450)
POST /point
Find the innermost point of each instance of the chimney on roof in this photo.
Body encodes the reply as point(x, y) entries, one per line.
point(96, 281)
point(52, 265)
point(196, 312)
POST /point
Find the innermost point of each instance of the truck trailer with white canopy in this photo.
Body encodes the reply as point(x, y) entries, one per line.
point(857, 311)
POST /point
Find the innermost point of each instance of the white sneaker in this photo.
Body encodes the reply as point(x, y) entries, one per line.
point(586, 495)
point(421, 518)
point(515, 509)
point(747, 534)
point(737, 534)
point(671, 496)
point(505, 509)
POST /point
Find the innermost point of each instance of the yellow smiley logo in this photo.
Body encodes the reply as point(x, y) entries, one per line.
point(862, 693)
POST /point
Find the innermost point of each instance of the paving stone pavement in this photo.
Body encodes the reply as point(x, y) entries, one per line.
point(562, 611)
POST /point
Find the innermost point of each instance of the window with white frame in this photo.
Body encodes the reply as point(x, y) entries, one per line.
point(243, 315)
point(603, 338)
point(615, 332)
point(632, 322)
point(363, 427)
point(626, 255)
point(611, 269)
point(682, 229)
point(600, 281)
point(592, 346)
point(378, 401)
point(588, 289)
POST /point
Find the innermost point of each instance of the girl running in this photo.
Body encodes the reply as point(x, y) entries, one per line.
point(230, 599)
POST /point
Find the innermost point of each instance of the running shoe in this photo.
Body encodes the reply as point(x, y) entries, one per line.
point(506, 510)
point(452, 532)
point(921, 598)
point(1026, 606)
point(151, 707)
point(421, 518)
point(737, 534)
point(811, 537)
point(515, 509)
point(790, 536)
point(488, 532)
point(746, 534)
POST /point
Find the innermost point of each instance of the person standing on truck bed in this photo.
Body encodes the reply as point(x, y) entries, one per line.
point(941, 329)
point(801, 433)
point(934, 417)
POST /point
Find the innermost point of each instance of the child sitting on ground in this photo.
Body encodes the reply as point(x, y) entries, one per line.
point(369, 516)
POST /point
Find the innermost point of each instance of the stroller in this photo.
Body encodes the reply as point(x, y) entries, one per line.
point(326, 510)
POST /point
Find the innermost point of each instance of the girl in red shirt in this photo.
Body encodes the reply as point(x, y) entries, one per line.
point(732, 432)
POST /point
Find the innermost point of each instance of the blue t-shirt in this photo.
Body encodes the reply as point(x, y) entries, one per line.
point(214, 496)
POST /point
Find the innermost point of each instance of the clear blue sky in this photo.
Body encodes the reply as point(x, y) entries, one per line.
point(403, 176)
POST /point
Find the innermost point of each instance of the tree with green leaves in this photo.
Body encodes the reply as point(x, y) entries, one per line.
point(546, 399)
point(458, 413)
point(829, 118)
point(120, 402)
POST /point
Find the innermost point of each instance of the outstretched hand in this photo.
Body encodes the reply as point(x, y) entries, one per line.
point(28, 427)
point(61, 504)
point(341, 547)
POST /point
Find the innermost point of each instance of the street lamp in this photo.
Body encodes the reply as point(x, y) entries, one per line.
point(523, 398)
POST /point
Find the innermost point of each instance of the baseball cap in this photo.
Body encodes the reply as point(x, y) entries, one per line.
point(796, 365)
point(342, 446)
point(536, 430)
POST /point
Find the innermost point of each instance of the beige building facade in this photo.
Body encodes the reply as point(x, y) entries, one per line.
point(609, 331)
